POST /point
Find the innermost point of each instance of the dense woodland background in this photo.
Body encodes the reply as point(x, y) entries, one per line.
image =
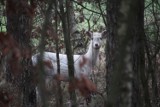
point(127, 73)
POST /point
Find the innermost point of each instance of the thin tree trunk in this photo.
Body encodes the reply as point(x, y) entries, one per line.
point(59, 96)
point(73, 27)
point(66, 33)
point(42, 89)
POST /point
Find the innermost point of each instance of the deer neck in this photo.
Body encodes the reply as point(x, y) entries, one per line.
point(92, 54)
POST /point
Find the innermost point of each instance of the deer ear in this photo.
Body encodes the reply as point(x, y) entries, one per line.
point(89, 34)
point(104, 34)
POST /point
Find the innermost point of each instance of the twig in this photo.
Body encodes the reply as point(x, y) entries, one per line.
point(99, 5)
point(85, 7)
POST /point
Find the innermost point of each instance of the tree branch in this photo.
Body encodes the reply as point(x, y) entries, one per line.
point(86, 8)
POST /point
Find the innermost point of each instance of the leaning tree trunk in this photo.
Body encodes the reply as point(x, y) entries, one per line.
point(19, 24)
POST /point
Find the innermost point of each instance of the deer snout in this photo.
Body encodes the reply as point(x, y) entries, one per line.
point(97, 46)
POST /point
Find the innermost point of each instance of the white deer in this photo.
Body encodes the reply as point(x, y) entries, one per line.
point(83, 64)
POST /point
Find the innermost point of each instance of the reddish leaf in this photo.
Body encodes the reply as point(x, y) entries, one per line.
point(81, 19)
point(84, 85)
point(21, 7)
point(80, 1)
point(9, 47)
point(5, 99)
point(61, 46)
point(26, 53)
point(48, 63)
point(60, 77)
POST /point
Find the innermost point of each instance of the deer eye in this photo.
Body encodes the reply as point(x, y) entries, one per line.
point(101, 38)
point(91, 38)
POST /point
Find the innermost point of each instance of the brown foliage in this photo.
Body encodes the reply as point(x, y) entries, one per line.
point(9, 47)
point(83, 61)
point(26, 53)
point(84, 85)
point(48, 63)
point(15, 7)
point(51, 33)
point(36, 68)
point(60, 77)
point(80, 1)
point(6, 43)
point(5, 99)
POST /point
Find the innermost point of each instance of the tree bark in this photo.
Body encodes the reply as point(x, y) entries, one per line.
point(140, 79)
point(125, 54)
point(119, 93)
point(19, 25)
point(67, 34)
point(41, 74)
point(111, 43)
point(59, 96)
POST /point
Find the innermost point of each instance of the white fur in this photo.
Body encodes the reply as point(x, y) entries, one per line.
point(83, 64)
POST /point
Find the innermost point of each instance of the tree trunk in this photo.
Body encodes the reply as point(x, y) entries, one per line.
point(111, 43)
point(140, 78)
point(59, 96)
point(67, 34)
point(19, 24)
point(46, 23)
point(125, 39)
point(75, 35)
point(119, 93)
